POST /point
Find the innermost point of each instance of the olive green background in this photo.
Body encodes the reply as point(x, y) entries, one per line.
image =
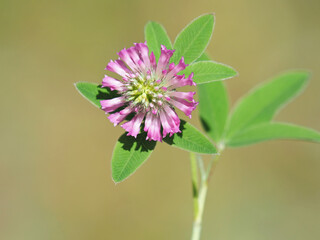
point(55, 180)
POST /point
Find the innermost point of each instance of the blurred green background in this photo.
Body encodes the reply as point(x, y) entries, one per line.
point(55, 180)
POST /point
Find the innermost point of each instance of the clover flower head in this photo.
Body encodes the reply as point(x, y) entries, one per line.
point(147, 90)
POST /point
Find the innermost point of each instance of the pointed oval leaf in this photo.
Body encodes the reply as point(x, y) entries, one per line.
point(261, 104)
point(213, 106)
point(156, 36)
point(94, 93)
point(213, 109)
point(193, 40)
point(209, 71)
point(129, 154)
point(273, 131)
point(204, 57)
point(191, 139)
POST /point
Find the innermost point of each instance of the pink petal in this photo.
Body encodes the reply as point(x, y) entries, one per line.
point(179, 81)
point(163, 59)
point(133, 126)
point(118, 67)
point(168, 124)
point(153, 61)
point(172, 114)
point(142, 67)
point(183, 95)
point(112, 83)
point(134, 55)
point(125, 56)
point(184, 106)
point(144, 52)
point(147, 121)
point(154, 129)
point(178, 68)
point(171, 66)
point(118, 117)
point(113, 104)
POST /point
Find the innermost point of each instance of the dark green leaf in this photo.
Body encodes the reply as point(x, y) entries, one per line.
point(191, 139)
point(94, 93)
point(129, 154)
point(261, 104)
point(156, 36)
point(193, 40)
point(272, 131)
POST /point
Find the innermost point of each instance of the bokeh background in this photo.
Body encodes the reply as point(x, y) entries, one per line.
point(55, 180)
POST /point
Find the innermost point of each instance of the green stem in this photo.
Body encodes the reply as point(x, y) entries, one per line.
point(197, 222)
point(194, 175)
point(200, 191)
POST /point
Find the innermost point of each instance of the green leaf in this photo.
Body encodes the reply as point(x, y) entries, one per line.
point(213, 108)
point(94, 93)
point(209, 71)
point(156, 36)
point(272, 131)
point(261, 104)
point(203, 57)
point(191, 139)
point(193, 40)
point(129, 154)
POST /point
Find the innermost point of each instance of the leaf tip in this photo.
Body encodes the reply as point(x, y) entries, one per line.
point(147, 24)
point(213, 16)
point(76, 85)
point(115, 180)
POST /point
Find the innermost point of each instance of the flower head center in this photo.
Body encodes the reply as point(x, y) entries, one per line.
point(145, 92)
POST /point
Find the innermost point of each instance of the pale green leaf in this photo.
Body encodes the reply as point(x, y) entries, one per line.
point(191, 139)
point(94, 93)
point(272, 131)
point(261, 104)
point(156, 36)
point(193, 40)
point(209, 71)
point(129, 154)
point(203, 57)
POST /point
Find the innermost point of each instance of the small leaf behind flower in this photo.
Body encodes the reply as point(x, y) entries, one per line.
point(156, 36)
point(193, 40)
point(94, 93)
point(273, 131)
point(209, 71)
point(213, 106)
point(191, 139)
point(213, 109)
point(129, 154)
